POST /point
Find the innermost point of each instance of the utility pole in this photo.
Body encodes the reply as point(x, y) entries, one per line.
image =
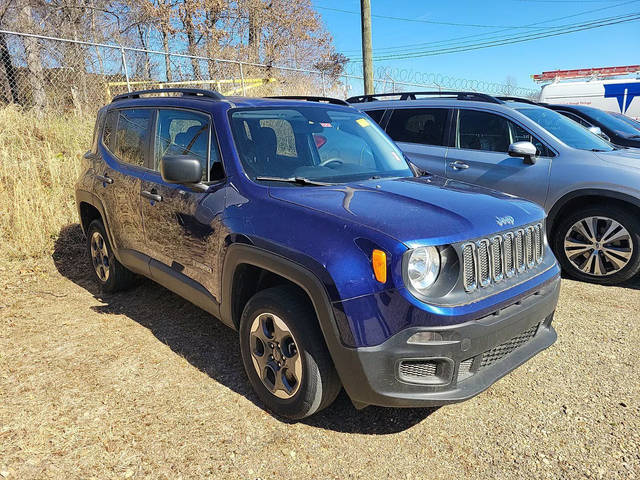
point(367, 61)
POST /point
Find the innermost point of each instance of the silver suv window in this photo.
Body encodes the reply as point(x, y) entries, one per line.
point(489, 132)
point(426, 126)
point(567, 131)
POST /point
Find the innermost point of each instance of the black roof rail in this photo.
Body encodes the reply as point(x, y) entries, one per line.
point(311, 98)
point(519, 99)
point(194, 92)
point(480, 97)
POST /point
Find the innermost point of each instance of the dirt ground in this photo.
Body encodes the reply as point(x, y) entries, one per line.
point(144, 385)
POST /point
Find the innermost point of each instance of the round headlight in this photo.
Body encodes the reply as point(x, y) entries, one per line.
point(423, 267)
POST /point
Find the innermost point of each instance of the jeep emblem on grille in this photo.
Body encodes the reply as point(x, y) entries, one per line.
point(508, 220)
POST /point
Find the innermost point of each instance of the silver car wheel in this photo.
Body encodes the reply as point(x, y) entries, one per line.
point(100, 256)
point(275, 355)
point(598, 246)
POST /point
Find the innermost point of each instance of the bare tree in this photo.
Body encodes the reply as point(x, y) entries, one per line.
point(33, 58)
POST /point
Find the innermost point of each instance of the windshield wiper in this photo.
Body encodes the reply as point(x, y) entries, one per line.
point(298, 180)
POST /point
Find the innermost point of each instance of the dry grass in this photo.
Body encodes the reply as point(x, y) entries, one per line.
point(39, 164)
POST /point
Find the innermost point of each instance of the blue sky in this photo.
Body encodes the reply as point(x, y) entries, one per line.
point(606, 46)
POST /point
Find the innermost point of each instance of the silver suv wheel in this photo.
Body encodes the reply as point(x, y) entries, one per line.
point(275, 355)
point(99, 256)
point(598, 246)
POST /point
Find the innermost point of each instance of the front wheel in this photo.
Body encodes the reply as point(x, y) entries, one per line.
point(284, 354)
point(599, 245)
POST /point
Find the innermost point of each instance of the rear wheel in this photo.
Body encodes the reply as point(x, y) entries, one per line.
point(284, 354)
point(110, 273)
point(599, 244)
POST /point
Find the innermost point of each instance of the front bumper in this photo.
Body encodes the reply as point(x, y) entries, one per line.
point(469, 358)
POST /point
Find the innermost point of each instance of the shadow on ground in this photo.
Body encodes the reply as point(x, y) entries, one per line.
point(207, 344)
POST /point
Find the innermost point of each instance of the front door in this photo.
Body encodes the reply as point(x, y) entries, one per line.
point(480, 156)
point(183, 225)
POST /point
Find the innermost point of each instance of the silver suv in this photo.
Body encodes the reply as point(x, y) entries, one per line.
point(589, 188)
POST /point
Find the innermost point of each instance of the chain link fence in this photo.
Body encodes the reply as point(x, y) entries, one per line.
point(65, 75)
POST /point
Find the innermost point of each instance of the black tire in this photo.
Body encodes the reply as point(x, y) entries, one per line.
point(319, 384)
point(620, 215)
point(116, 276)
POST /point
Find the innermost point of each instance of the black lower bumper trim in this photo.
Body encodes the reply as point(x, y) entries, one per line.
point(510, 336)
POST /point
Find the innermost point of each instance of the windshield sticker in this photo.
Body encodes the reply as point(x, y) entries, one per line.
point(363, 122)
point(325, 125)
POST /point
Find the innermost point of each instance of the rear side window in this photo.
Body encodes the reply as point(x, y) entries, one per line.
point(418, 125)
point(376, 115)
point(126, 134)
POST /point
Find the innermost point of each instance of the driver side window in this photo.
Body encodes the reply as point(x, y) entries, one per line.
point(183, 132)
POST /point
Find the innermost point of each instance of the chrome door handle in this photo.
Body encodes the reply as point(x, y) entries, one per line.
point(104, 179)
point(151, 196)
point(458, 165)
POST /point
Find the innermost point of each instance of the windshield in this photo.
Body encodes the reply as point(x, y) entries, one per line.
point(318, 144)
point(609, 121)
point(566, 130)
point(628, 120)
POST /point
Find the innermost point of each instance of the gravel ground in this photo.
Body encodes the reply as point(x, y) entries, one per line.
point(142, 384)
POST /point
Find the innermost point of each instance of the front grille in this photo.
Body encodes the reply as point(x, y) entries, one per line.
point(464, 370)
point(469, 266)
point(499, 352)
point(486, 261)
point(483, 263)
point(417, 369)
point(507, 245)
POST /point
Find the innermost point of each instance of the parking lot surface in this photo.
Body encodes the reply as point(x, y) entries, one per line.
point(143, 384)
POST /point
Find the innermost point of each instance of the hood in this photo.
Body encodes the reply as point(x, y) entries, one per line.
point(429, 210)
point(627, 157)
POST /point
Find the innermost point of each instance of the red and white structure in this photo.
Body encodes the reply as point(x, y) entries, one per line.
point(612, 89)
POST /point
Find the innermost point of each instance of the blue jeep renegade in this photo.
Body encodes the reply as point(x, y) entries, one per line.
point(298, 222)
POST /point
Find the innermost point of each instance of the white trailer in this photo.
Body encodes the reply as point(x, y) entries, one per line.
point(600, 90)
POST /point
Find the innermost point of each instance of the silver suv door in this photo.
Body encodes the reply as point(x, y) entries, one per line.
point(421, 133)
point(479, 155)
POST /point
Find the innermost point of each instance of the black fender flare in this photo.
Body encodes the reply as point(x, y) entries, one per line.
point(83, 196)
point(240, 253)
point(587, 192)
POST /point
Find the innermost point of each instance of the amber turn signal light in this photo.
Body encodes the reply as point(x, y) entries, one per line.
point(379, 262)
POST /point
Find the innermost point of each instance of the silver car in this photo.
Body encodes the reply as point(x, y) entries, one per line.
point(589, 188)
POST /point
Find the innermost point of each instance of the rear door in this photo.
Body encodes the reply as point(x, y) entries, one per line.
point(182, 224)
point(479, 155)
point(119, 172)
point(421, 133)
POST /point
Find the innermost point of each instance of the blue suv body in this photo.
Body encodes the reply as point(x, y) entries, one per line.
point(301, 225)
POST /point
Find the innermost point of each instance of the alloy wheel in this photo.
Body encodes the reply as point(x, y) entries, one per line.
point(100, 256)
point(598, 246)
point(275, 355)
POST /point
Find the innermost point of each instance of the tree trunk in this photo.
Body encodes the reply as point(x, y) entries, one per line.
point(191, 42)
point(10, 86)
point(34, 62)
point(254, 30)
point(167, 58)
point(147, 62)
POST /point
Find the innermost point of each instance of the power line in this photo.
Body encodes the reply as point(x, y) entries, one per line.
point(454, 40)
point(524, 38)
point(416, 20)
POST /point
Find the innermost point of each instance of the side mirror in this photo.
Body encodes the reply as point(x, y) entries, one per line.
point(598, 131)
point(525, 150)
point(183, 169)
